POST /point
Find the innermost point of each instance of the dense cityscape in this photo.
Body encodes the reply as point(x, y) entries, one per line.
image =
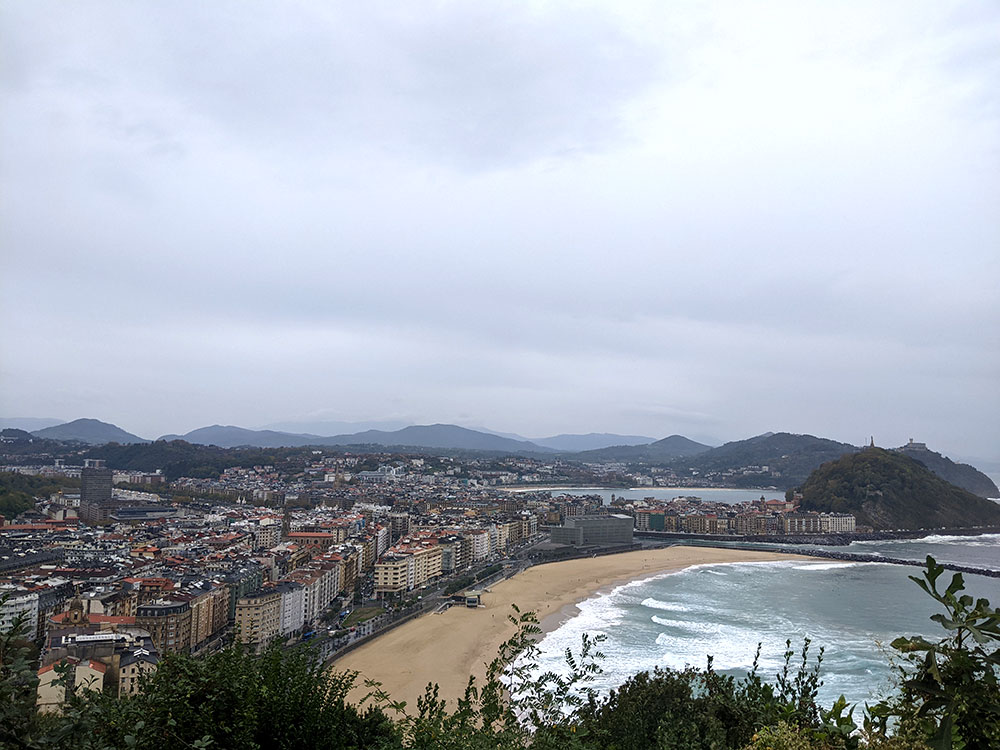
point(127, 566)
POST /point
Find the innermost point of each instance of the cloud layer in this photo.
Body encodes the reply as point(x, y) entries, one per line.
point(542, 217)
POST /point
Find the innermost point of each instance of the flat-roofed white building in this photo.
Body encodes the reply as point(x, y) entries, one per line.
point(17, 600)
point(292, 606)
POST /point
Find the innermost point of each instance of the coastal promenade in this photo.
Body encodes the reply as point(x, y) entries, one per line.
point(449, 646)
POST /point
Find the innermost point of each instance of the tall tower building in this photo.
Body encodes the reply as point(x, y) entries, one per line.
point(95, 494)
point(286, 523)
point(399, 526)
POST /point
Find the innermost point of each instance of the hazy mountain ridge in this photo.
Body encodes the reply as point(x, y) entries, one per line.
point(437, 436)
point(230, 436)
point(590, 441)
point(443, 436)
point(960, 474)
point(326, 427)
point(29, 423)
point(659, 451)
point(889, 490)
point(90, 431)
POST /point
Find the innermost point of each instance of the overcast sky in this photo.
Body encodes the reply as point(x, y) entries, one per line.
point(713, 219)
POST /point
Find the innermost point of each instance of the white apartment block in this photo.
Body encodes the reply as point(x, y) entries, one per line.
point(480, 543)
point(19, 600)
point(292, 606)
point(381, 540)
point(837, 523)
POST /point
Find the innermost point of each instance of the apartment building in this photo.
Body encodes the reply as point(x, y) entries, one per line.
point(258, 617)
point(19, 601)
point(266, 536)
point(168, 623)
point(597, 530)
point(87, 674)
point(408, 565)
point(529, 526)
point(480, 543)
point(837, 523)
point(110, 600)
point(802, 523)
point(135, 664)
point(392, 574)
point(456, 552)
point(209, 603)
point(292, 606)
point(319, 588)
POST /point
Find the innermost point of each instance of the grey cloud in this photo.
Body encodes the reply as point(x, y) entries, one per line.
point(476, 86)
point(546, 218)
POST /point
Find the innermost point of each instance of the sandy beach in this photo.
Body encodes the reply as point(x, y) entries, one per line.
point(446, 648)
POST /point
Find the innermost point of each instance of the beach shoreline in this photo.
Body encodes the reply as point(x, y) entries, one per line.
point(447, 647)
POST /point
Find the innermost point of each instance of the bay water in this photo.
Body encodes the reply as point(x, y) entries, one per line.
point(852, 610)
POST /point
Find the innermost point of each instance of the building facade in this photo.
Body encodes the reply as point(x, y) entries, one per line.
point(581, 531)
point(168, 623)
point(258, 617)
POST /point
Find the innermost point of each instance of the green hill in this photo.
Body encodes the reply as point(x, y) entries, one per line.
point(177, 458)
point(889, 490)
point(18, 491)
point(789, 459)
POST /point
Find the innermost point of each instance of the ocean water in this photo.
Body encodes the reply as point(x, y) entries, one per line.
point(852, 610)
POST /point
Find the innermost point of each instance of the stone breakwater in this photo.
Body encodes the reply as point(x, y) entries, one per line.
point(826, 540)
point(857, 557)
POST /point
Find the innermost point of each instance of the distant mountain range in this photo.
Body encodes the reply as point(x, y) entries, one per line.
point(280, 435)
point(781, 459)
point(442, 436)
point(439, 436)
point(788, 458)
point(90, 431)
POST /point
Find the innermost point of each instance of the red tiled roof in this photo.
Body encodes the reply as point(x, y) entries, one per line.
point(95, 665)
